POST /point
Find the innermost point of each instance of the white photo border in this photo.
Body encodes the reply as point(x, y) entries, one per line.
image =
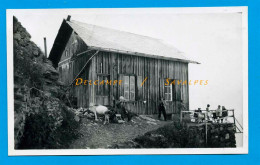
point(10, 84)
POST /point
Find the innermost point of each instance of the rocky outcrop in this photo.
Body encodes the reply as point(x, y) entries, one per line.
point(41, 109)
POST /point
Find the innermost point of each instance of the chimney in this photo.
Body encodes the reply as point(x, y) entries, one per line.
point(45, 47)
point(68, 18)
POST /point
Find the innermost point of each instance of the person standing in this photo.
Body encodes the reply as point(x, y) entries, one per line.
point(219, 114)
point(224, 113)
point(208, 113)
point(162, 109)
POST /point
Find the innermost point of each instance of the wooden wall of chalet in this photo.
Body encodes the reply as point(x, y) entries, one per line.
point(115, 65)
point(74, 46)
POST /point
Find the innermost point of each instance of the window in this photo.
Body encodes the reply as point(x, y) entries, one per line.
point(70, 65)
point(129, 88)
point(66, 53)
point(168, 92)
point(100, 65)
point(103, 87)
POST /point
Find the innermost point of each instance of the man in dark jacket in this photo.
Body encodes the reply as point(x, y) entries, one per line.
point(162, 109)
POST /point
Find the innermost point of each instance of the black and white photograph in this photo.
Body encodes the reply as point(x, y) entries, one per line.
point(118, 81)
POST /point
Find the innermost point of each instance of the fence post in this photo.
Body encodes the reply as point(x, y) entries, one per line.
point(181, 117)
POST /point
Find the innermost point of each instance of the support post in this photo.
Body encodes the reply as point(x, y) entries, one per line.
point(206, 126)
point(45, 47)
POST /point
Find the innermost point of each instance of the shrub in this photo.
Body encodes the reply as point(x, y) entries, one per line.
point(50, 125)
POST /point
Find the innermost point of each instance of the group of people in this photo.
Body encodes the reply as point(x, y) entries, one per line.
point(126, 114)
point(120, 108)
point(117, 114)
point(217, 115)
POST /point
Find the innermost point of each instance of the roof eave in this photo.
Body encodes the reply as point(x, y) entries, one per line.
point(140, 54)
point(60, 42)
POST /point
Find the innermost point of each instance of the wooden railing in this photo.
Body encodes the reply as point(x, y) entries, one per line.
point(239, 127)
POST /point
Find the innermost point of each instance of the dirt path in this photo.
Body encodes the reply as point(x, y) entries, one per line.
point(97, 135)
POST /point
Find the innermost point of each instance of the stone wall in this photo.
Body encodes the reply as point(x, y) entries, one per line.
point(218, 135)
point(177, 135)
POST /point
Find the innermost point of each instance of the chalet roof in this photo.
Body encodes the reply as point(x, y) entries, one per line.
point(102, 38)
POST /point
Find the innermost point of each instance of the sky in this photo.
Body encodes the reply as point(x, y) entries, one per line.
point(214, 38)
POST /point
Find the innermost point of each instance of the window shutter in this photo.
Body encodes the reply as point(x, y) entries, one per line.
point(126, 87)
point(139, 88)
point(132, 88)
point(121, 87)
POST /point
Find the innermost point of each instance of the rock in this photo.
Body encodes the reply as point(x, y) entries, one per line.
point(17, 36)
point(53, 90)
point(150, 122)
point(77, 118)
point(19, 96)
point(35, 52)
point(50, 73)
point(147, 118)
point(227, 136)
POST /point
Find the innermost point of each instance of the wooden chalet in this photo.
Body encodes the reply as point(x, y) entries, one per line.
point(93, 52)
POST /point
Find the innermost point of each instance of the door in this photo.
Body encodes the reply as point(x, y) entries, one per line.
point(103, 90)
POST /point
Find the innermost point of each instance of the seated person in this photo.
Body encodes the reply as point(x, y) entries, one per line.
point(121, 109)
point(219, 113)
point(224, 111)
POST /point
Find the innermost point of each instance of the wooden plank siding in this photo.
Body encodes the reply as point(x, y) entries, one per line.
point(115, 66)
